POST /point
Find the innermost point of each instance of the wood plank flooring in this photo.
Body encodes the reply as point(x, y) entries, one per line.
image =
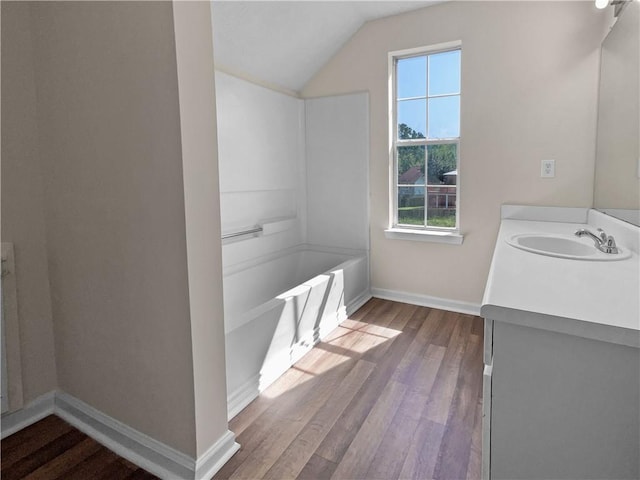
point(52, 449)
point(394, 392)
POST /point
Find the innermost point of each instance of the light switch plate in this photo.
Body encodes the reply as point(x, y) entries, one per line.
point(548, 169)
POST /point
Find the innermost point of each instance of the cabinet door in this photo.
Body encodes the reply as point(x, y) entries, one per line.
point(486, 422)
point(563, 406)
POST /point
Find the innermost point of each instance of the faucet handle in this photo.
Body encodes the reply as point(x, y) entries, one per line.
point(609, 244)
point(603, 235)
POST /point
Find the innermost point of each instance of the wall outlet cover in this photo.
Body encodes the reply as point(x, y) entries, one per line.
point(548, 169)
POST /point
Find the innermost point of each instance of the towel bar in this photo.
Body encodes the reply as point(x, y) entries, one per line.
point(244, 232)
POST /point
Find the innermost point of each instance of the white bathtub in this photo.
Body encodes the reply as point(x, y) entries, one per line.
point(275, 311)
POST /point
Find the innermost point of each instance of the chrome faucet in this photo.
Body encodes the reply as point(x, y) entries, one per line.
point(605, 243)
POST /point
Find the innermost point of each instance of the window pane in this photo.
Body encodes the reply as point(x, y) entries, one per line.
point(442, 162)
point(411, 78)
point(411, 163)
point(411, 206)
point(441, 209)
point(444, 117)
point(444, 73)
point(412, 119)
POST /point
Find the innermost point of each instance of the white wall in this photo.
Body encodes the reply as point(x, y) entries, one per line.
point(261, 154)
point(337, 156)
point(110, 145)
point(22, 206)
point(529, 92)
point(617, 182)
point(110, 195)
point(196, 92)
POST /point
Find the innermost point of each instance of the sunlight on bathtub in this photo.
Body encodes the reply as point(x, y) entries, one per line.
point(342, 345)
point(267, 333)
point(305, 313)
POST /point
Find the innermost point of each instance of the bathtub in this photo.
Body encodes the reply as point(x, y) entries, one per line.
point(276, 310)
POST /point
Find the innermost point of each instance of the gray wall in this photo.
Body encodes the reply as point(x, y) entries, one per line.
point(23, 221)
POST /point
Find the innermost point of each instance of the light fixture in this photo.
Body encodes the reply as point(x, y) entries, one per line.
point(602, 4)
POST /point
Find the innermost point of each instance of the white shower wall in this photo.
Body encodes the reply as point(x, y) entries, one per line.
point(262, 177)
point(337, 164)
point(284, 157)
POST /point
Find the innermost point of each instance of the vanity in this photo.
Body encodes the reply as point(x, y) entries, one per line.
point(561, 378)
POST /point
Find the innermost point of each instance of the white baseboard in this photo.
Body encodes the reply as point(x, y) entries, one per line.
point(427, 301)
point(358, 302)
point(242, 396)
point(146, 452)
point(140, 449)
point(213, 459)
point(36, 410)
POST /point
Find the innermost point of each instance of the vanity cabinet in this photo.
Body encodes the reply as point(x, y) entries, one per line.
point(561, 396)
point(559, 406)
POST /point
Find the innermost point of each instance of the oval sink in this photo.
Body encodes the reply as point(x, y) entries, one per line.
point(563, 246)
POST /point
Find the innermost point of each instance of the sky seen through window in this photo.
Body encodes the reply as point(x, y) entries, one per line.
point(430, 83)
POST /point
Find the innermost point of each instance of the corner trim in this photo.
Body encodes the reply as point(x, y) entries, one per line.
point(218, 454)
point(36, 410)
point(427, 301)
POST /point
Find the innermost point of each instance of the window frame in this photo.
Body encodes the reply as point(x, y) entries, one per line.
point(394, 143)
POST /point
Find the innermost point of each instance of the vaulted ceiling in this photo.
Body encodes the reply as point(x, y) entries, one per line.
point(284, 43)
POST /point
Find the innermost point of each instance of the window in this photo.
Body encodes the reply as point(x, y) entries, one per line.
point(425, 136)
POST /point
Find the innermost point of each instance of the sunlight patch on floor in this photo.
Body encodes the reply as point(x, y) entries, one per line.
point(347, 342)
point(370, 328)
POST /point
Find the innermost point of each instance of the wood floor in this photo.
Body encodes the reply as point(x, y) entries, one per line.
point(53, 449)
point(394, 392)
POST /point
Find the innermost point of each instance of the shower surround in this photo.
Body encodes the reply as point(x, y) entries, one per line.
point(298, 169)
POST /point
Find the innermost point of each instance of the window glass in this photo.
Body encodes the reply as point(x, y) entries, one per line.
point(412, 77)
point(442, 176)
point(442, 159)
point(411, 206)
point(412, 119)
point(444, 117)
point(444, 73)
point(427, 103)
point(411, 165)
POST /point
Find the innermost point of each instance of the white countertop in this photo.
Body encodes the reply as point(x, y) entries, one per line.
point(592, 299)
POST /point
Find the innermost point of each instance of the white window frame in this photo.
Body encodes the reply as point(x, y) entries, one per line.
point(407, 232)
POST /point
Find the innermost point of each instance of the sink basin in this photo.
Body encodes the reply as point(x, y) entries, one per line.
point(563, 246)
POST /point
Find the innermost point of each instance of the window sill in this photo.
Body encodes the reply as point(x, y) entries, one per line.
point(434, 236)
